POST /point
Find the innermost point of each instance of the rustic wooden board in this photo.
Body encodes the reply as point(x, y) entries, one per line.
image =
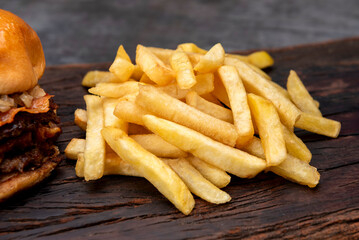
point(267, 206)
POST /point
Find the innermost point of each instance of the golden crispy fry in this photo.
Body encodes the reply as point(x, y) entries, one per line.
point(152, 168)
point(259, 71)
point(220, 91)
point(81, 118)
point(115, 90)
point(319, 125)
point(75, 147)
point(137, 73)
point(204, 85)
point(238, 100)
point(191, 47)
point(213, 174)
point(281, 89)
point(212, 60)
point(157, 146)
point(145, 79)
point(154, 68)
point(122, 67)
point(261, 59)
point(270, 129)
point(129, 111)
point(110, 120)
point(163, 105)
point(296, 146)
point(258, 85)
point(217, 111)
point(222, 156)
point(291, 168)
point(196, 183)
point(94, 154)
point(300, 95)
point(211, 98)
point(183, 68)
point(80, 165)
point(134, 129)
point(94, 77)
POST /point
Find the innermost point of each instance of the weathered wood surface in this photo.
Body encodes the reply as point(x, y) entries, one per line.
point(267, 206)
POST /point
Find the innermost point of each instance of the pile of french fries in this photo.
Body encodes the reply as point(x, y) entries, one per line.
point(185, 118)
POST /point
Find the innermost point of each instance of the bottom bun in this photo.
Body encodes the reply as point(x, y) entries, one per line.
point(24, 180)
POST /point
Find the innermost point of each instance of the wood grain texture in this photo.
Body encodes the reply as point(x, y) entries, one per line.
point(66, 207)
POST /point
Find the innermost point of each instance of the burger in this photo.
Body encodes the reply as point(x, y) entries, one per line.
point(29, 125)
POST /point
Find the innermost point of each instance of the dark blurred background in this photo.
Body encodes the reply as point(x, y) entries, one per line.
point(90, 31)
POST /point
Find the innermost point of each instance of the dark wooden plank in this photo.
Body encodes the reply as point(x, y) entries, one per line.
point(267, 206)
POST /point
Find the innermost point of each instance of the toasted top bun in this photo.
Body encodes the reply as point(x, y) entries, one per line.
point(22, 60)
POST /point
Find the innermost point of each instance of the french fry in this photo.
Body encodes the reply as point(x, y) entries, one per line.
point(110, 120)
point(157, 146)
point(220, 91)
point(122, 66)
point(145, 79)
point(75, 147)
point(291, 168)
point(154, 68)
point(238, 100)
point(281, 89)
point(220, 155)
point(134, 129)
point(295, 146)
point(152, 168)
point(81, 118)
point(191, 47)
point(94, 77)
point(212, 60)
point(204, 84)
point(300, 95)
point(115, 90)
point(270, 129)
point(222, 113)
point(260, 71)
point(129, 111)
point(319, 125)
point(114, 165)
point(196, 183)
point(183, 68)
point(258, 85)
point(137, 73)
point(165, 106)
point(94, 154)
point(210, 98)
point(213, 174)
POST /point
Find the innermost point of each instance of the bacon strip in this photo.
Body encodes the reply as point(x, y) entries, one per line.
point(39, 105)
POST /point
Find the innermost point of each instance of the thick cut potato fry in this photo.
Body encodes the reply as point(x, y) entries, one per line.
point(146, 79)
point(281, 89)
point(135, 129)
point(165, 106)
point(204, 85)
point(291, 168)
point(296, 146)
point(300, 95)
point(110, 120)
point(269, 128)
point(220, 155)
point(114, 165)
point(220, 91)
point(152, 168)
point(157, 146)
point(319, 125)
point(260, 71)
point(261, 59)
point(94, 154)
point(211, 98)
point(191, 47)
point(154, 68)
point(212, 60)
point(94, 77)
point(183, 68)
point(122, 67)
point(74, 148)
point(137, 73)
point(115, 90)
point(196, 183)
point(213, 174)
point(81, 118)
point(255, 83)
point(194, 100)
point(238, 100)
point(129, 111)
